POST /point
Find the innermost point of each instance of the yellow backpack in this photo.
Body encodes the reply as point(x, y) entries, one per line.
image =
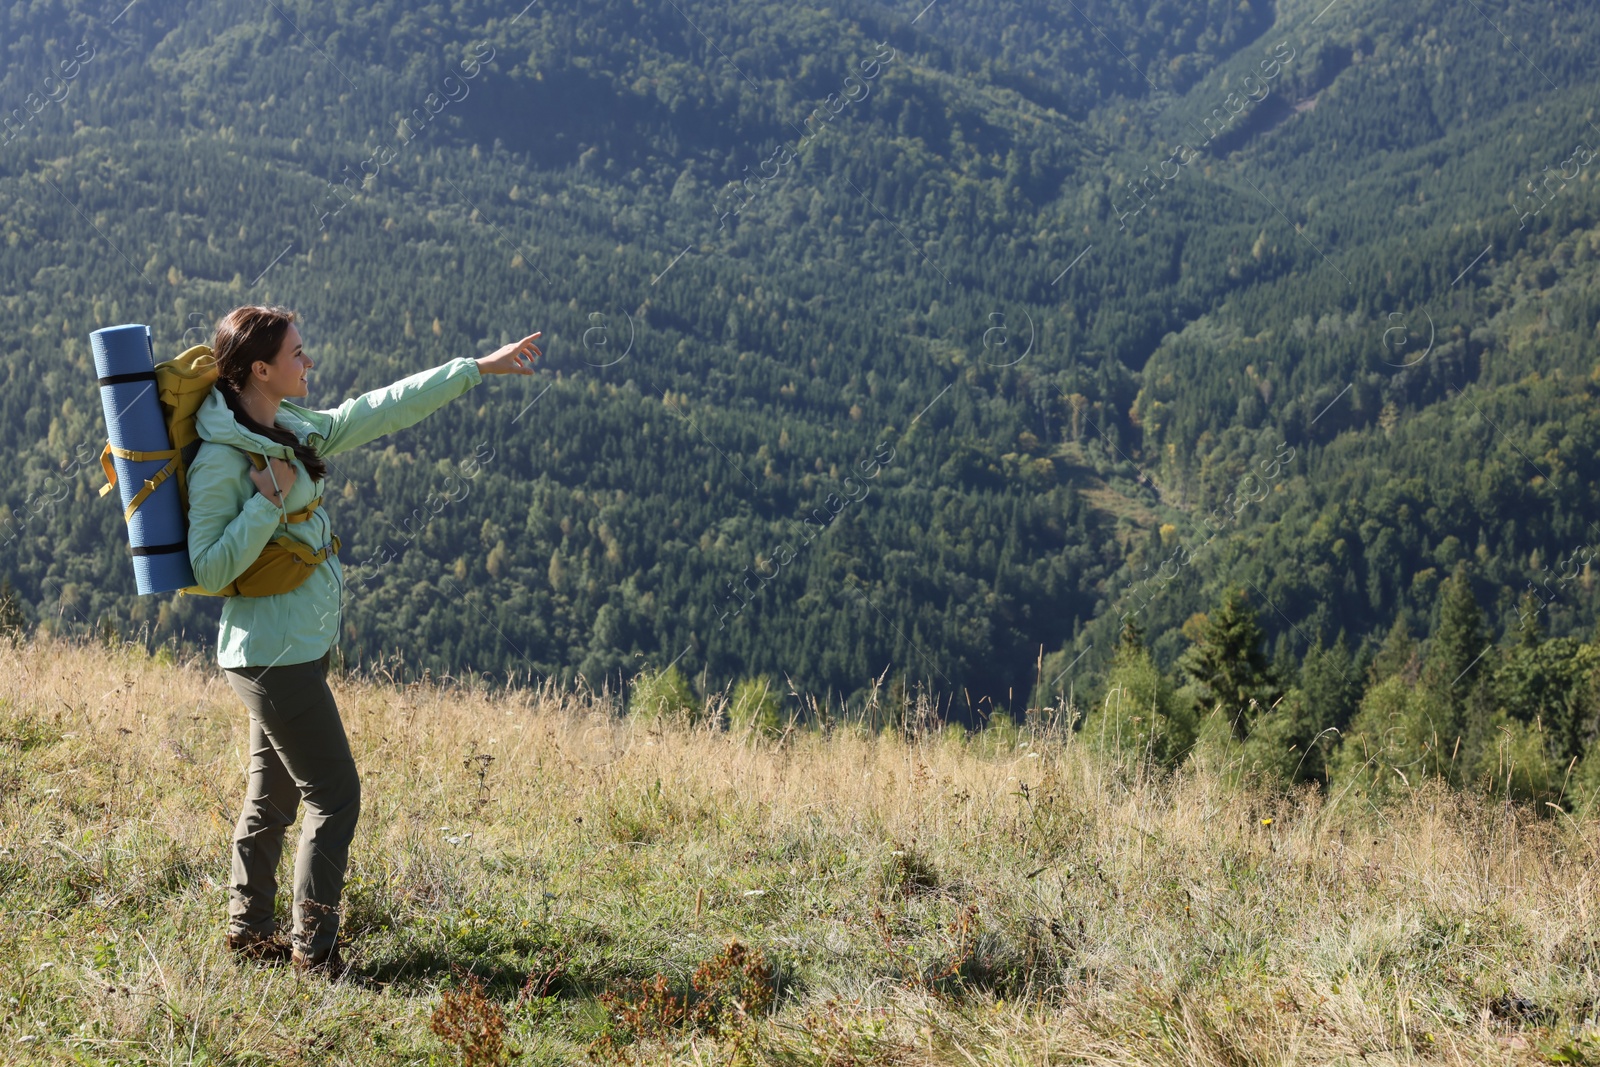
point(181, 384)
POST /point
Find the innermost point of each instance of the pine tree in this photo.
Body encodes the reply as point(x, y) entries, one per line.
point(1530, 622)
point(1320, 707)
point(1457, 671)
point(1131, 638)
point(1458, 643)
point(1226, 662)
point(1397, 655)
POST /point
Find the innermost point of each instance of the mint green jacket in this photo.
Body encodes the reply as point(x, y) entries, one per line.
point(230, 522)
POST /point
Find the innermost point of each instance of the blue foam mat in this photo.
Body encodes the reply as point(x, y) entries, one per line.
point(134, 421)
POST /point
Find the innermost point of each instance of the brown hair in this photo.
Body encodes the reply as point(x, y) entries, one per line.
point(244, 336)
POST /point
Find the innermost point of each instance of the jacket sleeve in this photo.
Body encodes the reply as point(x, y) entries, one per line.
point(394, 407)
point(229, 522)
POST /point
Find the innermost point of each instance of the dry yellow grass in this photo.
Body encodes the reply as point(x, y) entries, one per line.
point(1007, 898)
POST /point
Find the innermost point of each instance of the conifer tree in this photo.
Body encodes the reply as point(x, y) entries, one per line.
point(1226, 662)
point(1322, 705)
point(1397, 654)
point(1458, 645)
point(1530, 621)
point(1457, 671)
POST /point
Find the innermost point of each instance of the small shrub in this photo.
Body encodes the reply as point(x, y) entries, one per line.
point(663, 695)
point(473, 1024)
point(731, 991)
point(735, 987)
point(755, 707)
point(1139, 718)
point(646, 1009)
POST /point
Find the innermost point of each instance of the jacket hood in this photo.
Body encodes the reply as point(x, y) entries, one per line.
point(215, 422)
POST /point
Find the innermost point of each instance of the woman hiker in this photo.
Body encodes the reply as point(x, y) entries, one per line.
point(274, 649)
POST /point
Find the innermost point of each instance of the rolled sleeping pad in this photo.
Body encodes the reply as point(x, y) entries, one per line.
point(157, 532)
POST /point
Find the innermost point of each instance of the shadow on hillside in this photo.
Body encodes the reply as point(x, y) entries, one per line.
point(544, 972)
point(504, 977)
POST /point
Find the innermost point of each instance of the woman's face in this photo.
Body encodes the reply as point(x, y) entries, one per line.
point(285, 376)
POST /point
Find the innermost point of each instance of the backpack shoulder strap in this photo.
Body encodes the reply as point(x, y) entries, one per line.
point(182, 383)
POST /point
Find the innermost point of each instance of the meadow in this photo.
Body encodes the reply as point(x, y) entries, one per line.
point(539, 879)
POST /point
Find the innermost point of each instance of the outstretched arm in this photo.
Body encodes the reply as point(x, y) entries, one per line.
point(371, 415)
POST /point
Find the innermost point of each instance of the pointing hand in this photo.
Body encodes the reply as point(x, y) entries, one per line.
point(514, 358)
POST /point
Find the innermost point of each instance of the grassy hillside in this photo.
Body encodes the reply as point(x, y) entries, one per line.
point(910, 898)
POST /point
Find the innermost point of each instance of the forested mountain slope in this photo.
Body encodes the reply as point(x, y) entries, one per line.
point(1010, 297)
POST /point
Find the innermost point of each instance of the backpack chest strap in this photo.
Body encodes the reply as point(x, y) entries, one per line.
point(303, 513)
point(259, 461)
point(171, 456)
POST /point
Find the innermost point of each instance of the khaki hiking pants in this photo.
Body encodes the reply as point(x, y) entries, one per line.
point(298, 751)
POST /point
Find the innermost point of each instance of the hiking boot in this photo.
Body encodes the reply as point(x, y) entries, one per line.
point(263, 948)
point(326, 962)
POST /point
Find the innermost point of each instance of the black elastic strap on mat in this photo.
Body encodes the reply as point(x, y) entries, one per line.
point(136, 376)
point(156, 550)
